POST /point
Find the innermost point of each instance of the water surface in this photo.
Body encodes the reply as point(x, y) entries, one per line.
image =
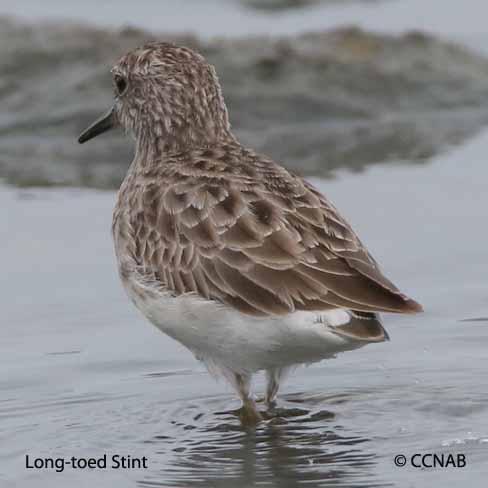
point(231, 17)
point(83, 374)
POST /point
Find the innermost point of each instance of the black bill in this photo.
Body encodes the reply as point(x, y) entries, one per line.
point(103, 124)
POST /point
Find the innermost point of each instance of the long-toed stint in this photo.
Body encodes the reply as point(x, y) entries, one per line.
point(246, 264)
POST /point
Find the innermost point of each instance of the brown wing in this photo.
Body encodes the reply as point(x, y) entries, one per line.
point(256, 238)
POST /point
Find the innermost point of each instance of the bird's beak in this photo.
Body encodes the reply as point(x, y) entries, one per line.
point(103, 124)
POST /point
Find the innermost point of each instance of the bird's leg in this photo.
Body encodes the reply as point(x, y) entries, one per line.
point(272, 387)
point(274, 377)
point(248, 414)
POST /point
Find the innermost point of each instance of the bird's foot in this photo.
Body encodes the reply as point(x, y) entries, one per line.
point(249, 414)
point(270, 404)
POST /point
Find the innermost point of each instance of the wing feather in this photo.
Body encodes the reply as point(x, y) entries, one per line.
point(264, 242)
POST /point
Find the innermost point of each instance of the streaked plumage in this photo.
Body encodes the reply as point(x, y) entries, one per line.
point(246, 264)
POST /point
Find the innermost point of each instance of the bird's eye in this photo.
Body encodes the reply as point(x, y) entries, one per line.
point(120, 83)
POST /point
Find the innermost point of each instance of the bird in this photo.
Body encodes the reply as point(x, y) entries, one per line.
point(246, 264)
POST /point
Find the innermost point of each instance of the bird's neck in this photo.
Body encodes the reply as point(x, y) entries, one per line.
point(150, 148)
point(161, 137)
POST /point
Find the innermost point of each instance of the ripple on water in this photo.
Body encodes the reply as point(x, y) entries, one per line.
point(304, 444)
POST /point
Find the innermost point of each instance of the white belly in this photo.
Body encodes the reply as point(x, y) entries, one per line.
point(225, 338)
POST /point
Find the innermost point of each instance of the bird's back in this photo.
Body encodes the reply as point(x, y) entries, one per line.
point(233, 226)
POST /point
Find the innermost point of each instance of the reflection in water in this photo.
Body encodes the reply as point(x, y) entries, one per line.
point(295, 446)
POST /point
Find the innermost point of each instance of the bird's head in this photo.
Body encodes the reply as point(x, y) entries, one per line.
point(165, 95)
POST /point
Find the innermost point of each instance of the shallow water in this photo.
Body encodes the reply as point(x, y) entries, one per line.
point(231, 17)
point(83, 374)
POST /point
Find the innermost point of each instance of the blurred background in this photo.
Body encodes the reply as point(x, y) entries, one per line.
point(319, 85)
point(383, 104)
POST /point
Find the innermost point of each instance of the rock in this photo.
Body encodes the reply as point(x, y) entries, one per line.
point(277, 5)
point(316, 102)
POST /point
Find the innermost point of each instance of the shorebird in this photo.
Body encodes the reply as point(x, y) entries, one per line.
point(244, 263)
